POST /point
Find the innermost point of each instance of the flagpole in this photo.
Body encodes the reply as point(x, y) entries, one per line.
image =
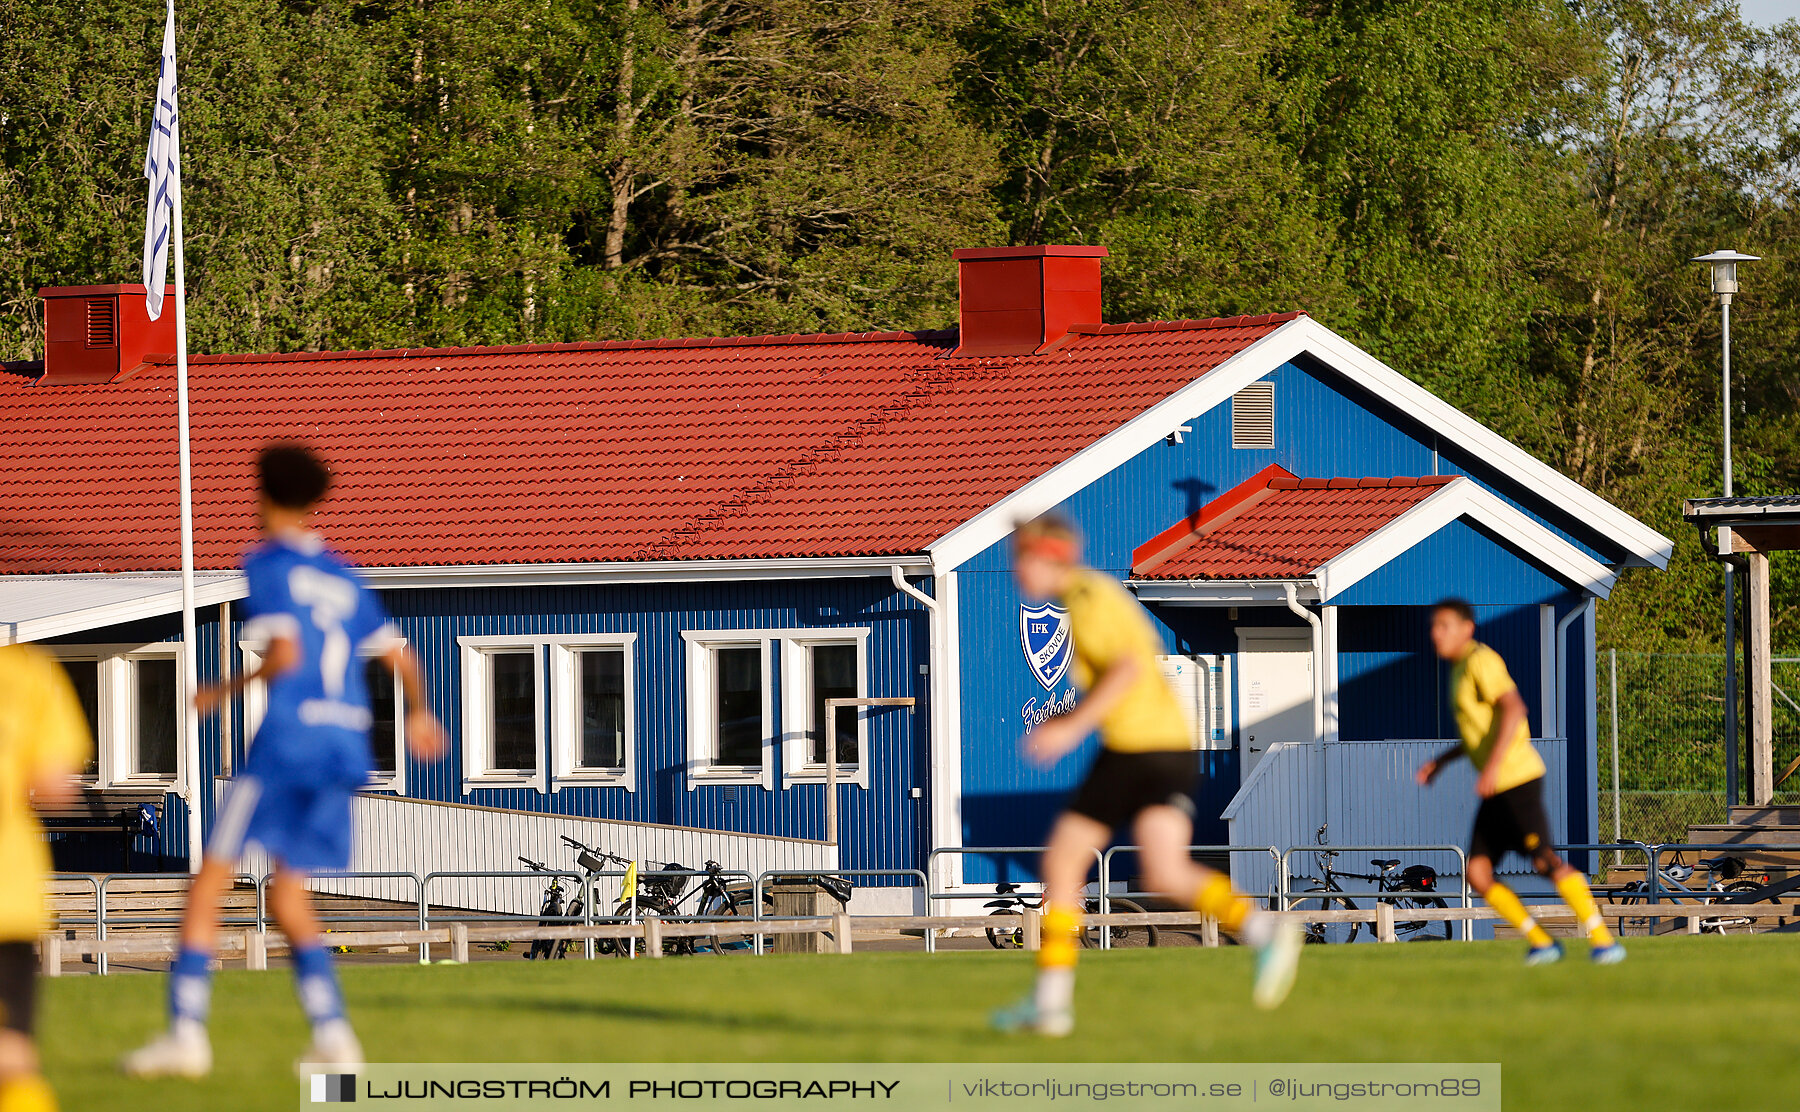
point(190, 665)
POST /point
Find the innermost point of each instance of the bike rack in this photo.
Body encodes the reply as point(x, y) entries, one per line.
point(1106, 893)
point(756, 891)
point(426, 918)
point(1285, 874)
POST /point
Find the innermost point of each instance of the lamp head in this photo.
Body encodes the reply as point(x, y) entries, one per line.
point(1724, 271)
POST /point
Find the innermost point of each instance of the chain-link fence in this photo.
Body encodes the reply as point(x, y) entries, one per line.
point(1667, 741)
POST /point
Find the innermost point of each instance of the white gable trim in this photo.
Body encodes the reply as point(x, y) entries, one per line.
point(972, 537)
point(1301, 336)
point(1459, 499)
point(1647, 546)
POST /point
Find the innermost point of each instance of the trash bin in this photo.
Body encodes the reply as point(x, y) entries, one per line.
point(801, 899)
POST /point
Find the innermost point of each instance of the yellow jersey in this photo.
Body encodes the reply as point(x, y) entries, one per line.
point(43, 733)
point(1477, 683)
point(1108, 625)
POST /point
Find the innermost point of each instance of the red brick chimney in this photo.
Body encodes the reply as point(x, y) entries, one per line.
point(101, 334)
point(1021, 300)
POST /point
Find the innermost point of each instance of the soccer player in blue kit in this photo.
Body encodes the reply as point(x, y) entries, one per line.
point(310, 756)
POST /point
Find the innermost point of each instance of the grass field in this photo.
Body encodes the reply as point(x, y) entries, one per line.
point(1687, 1023)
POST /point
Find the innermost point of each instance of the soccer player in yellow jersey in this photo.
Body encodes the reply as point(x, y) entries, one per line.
point(1142, 778)
point(43, 743)
point(1490, 715)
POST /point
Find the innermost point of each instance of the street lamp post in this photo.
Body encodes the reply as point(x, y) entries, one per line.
point(1724, 284)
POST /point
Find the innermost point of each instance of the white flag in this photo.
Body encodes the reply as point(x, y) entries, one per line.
point(162, 168)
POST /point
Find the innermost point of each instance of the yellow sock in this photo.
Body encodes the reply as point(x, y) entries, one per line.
point(1580, 898)
point(1220, 900)
point(30, 1093)
point(1506, 902)
point(1056, 949)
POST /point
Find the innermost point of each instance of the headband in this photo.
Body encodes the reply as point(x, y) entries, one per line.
point(1061, 549)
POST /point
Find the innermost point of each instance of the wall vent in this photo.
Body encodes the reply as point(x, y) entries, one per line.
point(102, 322)
point(1253, 416)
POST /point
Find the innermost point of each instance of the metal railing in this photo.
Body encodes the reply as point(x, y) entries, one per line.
point(428, 923)
point(1285, 876)
point(756, 892)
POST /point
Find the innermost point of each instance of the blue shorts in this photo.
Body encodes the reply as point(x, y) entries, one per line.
point(301, 825)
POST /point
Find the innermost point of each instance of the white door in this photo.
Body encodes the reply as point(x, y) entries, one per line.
point(1275, 693)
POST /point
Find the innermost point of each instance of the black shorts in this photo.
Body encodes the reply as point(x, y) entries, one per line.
point(1511, 821)
point(18, 987)
point(1119, 785)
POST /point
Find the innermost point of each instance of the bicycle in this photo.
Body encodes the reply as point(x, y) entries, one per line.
point(639, 895)
point(715, 899)
point(1721, 881)
point(1417, 882)
point(551, 914)
point(1013, 938)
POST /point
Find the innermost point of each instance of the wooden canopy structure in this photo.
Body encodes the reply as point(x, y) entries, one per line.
point(1749, 529)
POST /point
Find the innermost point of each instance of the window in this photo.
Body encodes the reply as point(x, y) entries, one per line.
point(593, 709)
point(738, 701)
point(548, 712)
point(157, 699)
point(815, 669)
point(730, 727)
point(503, 712)
point(600, 701)
point(84, 675)
point(384, 733)
point(1253, 416)
point(512, 725)
point(131, 695)
point(734, 684)
point(832, 674)
point(387, 711)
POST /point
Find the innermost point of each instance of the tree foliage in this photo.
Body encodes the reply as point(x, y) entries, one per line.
point(1497, 196)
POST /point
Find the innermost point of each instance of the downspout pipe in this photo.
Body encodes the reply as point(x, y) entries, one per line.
point(1562, 665)
point(900, 584)
point(1318, 652)
point(1322, 799)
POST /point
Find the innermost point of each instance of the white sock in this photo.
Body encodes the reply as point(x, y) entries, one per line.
point(1258, 930)
point(1055, 990)
point(332, 1030)
point(187, 1029)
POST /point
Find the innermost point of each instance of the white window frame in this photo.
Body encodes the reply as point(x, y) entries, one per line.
point(565, 712)
point(796, 707)
point(256, 704)
point(701, 700)
point(476, 709)
point(115, 734)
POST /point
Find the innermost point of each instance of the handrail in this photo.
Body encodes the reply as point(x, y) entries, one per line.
point(100, 928)
point(1107, 894)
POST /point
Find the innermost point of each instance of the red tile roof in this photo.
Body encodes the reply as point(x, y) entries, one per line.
point(842, 445)
point(1277, 526)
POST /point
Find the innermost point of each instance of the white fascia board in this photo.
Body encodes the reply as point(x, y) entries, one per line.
point(209, 591)
point(1647, 547)
point(1463, 498)
point(1221, 592)
point(972, 537)
point(1300, 336)
point(640, 571)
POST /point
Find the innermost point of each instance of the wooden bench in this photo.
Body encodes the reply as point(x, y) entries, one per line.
point(126, 812)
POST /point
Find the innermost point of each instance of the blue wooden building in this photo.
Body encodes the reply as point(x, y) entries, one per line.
point(636, 570)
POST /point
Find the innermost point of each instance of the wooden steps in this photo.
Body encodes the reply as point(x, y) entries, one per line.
point(159, 902)
point(1763, 816)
